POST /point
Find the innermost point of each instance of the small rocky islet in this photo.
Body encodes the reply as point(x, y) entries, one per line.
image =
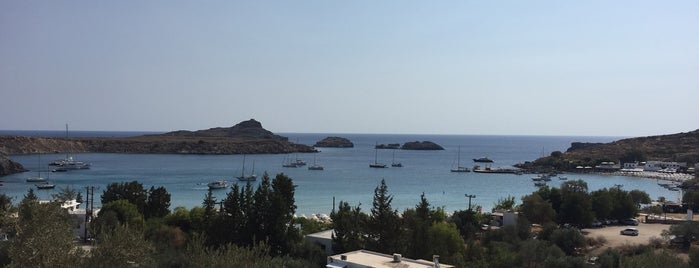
point(334, 142)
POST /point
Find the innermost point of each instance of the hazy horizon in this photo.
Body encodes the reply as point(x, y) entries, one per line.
point(551, 68)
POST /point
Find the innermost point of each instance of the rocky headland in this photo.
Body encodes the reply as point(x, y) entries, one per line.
point(334, 142)
point(247, 137)
point(7, 166)
point(680, 147)
point(421, 145)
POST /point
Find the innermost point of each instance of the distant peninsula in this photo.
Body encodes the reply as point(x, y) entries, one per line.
point(680, 147)
point(7, 166)
point(334, 142)
point(247, 137)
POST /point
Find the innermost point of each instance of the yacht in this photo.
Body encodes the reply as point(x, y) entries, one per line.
point(459, 168)
point(251, 177)
point(218, 184)
point(483, 160)
point(45, 185)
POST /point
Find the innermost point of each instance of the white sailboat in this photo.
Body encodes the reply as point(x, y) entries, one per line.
point(315, 166)
point(459, 168)
point(38, 177)
point(376, 164)
point(68, 163)
point(251, 177)
point(393, 162)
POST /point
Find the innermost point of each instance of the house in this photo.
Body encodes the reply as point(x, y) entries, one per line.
point(504, 218)
point(664, 166)
point(365, 259)
point(323, 239)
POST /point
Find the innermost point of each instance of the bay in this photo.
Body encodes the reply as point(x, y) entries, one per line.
point(346, 177)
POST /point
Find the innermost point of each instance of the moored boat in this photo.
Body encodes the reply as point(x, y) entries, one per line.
point(458, 167)
point(45, 185)
point(251, 177)
point(483, 160)
point(217, 184)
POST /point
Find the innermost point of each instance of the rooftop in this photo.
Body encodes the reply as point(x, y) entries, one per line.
point(365, 258)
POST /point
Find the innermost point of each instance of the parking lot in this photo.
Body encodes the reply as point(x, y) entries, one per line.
point(614, 239)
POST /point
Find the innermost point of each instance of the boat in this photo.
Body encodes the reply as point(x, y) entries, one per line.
point(68, 163)
point(563, 178)
point(38, 177)
point(376, 164)
point(294, 164)
point(45, 185)
point(251, 177)
point(393, 162)
point(539, 183)
point(315, 166)
point(217, 184)
point(483, 160)
point(459, 168)
point(488, 169)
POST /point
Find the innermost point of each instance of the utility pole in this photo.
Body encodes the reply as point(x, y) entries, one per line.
point(90, 199)
point(469, 200)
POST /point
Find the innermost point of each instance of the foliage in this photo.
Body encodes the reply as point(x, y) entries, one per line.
point(536, 209)
point(506, 204)
point(65, 193)
point(119, 247)
point(443, 239)
point(158, 203)
point(384, 226)
point(688, 231)
point(44, 232)
point(133, 192)
point(567, 240)
point(116, 213)
point(576, 205)
point(467, 222)
point(349, 228)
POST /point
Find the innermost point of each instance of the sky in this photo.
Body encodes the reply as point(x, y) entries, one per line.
point(587, 68)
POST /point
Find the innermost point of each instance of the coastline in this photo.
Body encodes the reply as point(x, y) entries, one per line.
point(673, 177)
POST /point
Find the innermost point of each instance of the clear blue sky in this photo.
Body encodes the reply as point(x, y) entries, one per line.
point(617, 68)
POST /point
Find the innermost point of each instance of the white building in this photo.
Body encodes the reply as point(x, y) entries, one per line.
point(664, 166)
point(323, 239)
point(366, 259)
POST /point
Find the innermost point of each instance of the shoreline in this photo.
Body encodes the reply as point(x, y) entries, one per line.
point(673, 177)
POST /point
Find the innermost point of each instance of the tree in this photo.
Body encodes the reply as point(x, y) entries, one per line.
point(348, 225)
point(282, 234)
point(261, 210)
point(467, 222)
point(158, 203)
point(65, 194)
point(44, 232)
point(602, 203)
point(536, 209)
point(639, 197)
point(417, 222)
point(567, 240)
point(443, 239)
point(507, 203)
point(384, 227)
point(133, 192)
point(115, 213)
point(576, 207)
point(121, 247)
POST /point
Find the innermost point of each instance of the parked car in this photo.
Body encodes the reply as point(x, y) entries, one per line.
point(630, 231)
point(633, 222)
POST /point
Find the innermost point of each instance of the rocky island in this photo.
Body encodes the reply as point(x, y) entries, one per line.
point(334, 142)
point(421, 145)
point(247, 137)
point(8, 166)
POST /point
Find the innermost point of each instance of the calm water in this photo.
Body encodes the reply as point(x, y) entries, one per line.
point(346, 176)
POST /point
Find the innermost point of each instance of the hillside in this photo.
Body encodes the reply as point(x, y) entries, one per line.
point(247, 137)
point(680, 147)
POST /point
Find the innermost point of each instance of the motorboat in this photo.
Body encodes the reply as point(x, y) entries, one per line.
point(45, 186)
point(218, 184)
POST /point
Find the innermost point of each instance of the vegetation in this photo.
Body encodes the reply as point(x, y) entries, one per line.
point(254, 227)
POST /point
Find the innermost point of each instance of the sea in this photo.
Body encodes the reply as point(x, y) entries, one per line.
point(346, 175)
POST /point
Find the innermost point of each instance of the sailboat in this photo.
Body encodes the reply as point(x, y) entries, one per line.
point(376, 164)
point(251, 177)
point(68, 163)
point(459, 168)
point(45, 185)
point(38, 177)
point(393, 161)
point(315, 166)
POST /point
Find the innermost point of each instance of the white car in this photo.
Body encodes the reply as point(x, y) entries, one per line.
point(630, 231)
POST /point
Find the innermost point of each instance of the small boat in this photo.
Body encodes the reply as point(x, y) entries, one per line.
point(251, 177)
point(376, 164)
point(539, 184)
point(45, 185)
point(563, 178)
point(59, 170)
point(459, 168)
point(36, 179)
point(483, 160)
point(393, 162)
point(218, 184)
point(294, 164)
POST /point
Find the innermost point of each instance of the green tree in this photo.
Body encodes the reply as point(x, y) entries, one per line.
point(348, 225)
point(65, 193)
point(567, 240)
point(602, 203)
point(282, 233)
point(261, 210)
point(576, 207)
point(133, 192)
point(536, 209)
point(507, 203)
point(467, 222)
point(44, 232)
point(384, 226)
point(121, 247)
point(444, 239)
point(418, 222)
point(639, 197)
point(158, 203)
point(115, 213)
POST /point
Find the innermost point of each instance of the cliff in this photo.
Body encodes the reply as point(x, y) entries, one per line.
point(334, 142)
point(247, 137)
point(8, 166)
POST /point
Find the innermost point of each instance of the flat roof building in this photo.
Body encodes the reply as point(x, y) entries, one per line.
point(365, 259)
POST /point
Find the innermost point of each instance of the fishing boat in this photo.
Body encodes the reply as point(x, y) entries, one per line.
point(251, 177)
point(459, 168)
point(315, 166)
point(217, 184)
point(376, 164)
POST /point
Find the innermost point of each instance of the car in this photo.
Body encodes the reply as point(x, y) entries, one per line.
point(633, 222)
point(630, 231)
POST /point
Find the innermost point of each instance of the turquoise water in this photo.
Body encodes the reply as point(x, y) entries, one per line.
point(346, 176)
